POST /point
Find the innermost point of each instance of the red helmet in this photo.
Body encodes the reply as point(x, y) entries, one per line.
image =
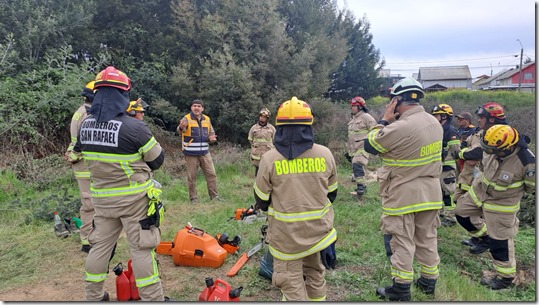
point(112, 77)
point(357, 101)
point(491, 110)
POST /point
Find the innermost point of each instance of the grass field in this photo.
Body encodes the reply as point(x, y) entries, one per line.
point(37, 266)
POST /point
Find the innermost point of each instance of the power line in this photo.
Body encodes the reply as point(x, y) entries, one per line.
point(451, 60)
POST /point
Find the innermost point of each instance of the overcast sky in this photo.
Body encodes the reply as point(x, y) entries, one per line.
point(423, 33)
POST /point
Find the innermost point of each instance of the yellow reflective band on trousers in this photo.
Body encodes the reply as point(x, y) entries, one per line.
point(413, 208)
point(320, 299)
point(330, 238)
point(429, 270)
point(506, 271)
point(529, 183)
point(451, 163)
point(149, 145)
point(95, 277)
point(302, 216)
point(500, 188)
point(333, 187)
point(405, 275)
point(491, 206)
point(82, 175)
point(412, 162)
point(464, 186)
point(371, 138)
point(111, 158)
point(261, 194)
point(121, 191)
point(452, 142)
point(480, 232)
point(152, 279)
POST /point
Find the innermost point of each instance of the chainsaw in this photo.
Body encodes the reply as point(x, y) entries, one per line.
point(248, 215)
point(246, 255)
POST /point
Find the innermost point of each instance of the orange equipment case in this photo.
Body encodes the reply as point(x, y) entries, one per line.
point(193, 247)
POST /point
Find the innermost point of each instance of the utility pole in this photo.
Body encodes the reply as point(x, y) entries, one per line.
point(520, 67)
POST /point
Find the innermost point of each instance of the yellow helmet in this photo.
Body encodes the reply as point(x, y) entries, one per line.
point(136, 106)
point(294, 112)
point(498, 138)
point(265, 112)
point(442, 109)
point(88, 91)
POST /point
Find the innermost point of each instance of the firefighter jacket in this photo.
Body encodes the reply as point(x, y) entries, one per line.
point(79, 168)
point(261, 139)
point(121, 154)
point(300, 211)
point(411, 153)
point(503, 181)
point(195, 137)
point(451, 147)
point(358, 129)
point(471, 144)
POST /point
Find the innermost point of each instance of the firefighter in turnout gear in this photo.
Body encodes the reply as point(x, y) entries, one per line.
point(358, 128)
point(471, 152)
point(121, 154)
point(508, 172)
point(197, 132)
point(137, 109)
point(296, 184)
point(261, 137)
point(409, 142)
point(80, 168)
point(450, 149)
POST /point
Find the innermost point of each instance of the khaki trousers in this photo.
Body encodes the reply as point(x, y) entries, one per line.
point(86, 209)
point(467, 208)
point(206, 165)
point(413, 235)
point(288, 277)
point(108, 224)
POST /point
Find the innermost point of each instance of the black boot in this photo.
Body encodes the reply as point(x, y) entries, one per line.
point(360, 189)
point(105, 297)
point(482, 246)
point(498, 282)
point(395, 292)
point(425, 285)
point(470, 242)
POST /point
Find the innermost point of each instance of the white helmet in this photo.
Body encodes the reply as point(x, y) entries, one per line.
point(408, 88)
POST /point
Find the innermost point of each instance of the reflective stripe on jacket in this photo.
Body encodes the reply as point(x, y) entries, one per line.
point(411, 152)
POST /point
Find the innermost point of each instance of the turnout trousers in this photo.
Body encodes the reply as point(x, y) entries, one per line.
point(108, 224)
point(288, 276)
point(206, 165)
point(412, 235)
point(501, 227)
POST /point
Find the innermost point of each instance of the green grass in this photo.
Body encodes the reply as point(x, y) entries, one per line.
point(31, 254)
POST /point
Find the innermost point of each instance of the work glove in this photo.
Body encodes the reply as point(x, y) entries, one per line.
point(329, 257)
point(156, 210)
point(348, 157)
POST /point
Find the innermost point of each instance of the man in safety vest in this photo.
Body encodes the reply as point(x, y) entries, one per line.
point(450, 148)
point(409, 142)
point(296, 184)
point(261, 137)
point(121, 154)
point(471, 153)
point(359, 126)
point(197, 132)
point(80, 168)
point(508, 171)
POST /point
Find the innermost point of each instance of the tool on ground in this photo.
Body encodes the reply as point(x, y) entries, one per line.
point(245, 256)
point(219, 291)
point(60, 228)
point(231, 246)
point(193, 247)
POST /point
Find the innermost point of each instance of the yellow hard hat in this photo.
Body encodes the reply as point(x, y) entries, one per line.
point(442, 109)
point(294, 112)
point(499, 137)
point(88, 91)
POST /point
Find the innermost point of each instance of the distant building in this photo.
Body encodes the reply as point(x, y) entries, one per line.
point(445, 77)
point(509, 79)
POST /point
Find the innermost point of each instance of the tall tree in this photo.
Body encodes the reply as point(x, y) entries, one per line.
point(358, 73)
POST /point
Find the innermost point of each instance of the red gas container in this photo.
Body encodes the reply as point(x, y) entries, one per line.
point(132, 282)
point(222, 292)
point(123, 287)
